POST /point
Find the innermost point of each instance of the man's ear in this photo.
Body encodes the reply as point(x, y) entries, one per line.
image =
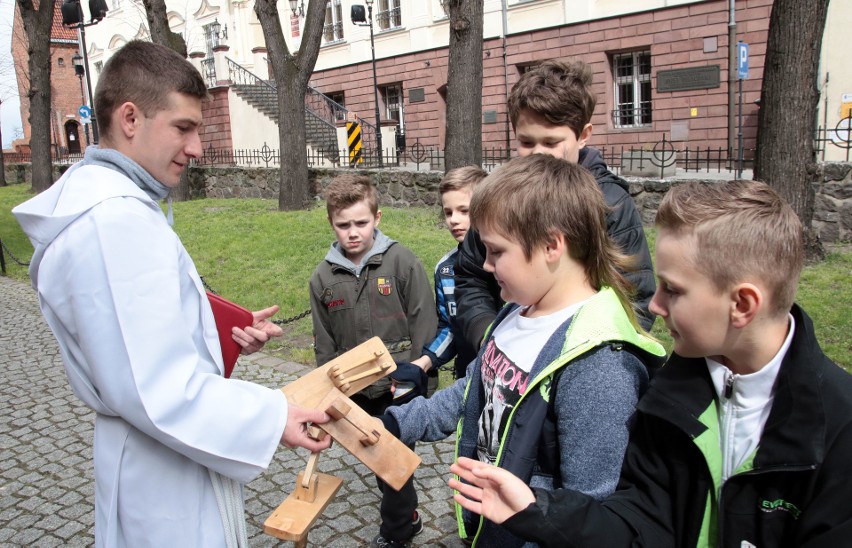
point(126, 119)
point(746, 301)
point(585, 135)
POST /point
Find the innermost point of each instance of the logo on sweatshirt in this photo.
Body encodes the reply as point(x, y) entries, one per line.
point(384, 285)
point(779, 505)
point(330, 302)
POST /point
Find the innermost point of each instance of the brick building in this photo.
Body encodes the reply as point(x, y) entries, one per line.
point(67, 134)
point(662, 68)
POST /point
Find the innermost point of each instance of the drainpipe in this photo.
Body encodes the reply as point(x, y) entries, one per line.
point(506, 77)
point(732, 76)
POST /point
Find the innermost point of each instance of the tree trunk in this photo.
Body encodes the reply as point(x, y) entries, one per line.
point(37, 26)
point(463, 142)
point(788, 99)
point(2, 159)
point(158, 27)
point(291, 74)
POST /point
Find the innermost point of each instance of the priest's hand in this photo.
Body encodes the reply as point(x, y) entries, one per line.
point(296, 431)
point(254, 336)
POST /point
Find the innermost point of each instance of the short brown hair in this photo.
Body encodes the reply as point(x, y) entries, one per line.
point(461, 178)
point(559, 91)
point(144, 74)
point(742, 229)
point(347, 190)
point(530, 198)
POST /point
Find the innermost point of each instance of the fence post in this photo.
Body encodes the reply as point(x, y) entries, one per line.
point(2, 259)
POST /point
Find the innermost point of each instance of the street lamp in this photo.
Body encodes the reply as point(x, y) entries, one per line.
point(358, 18)
point(298, 7)
point(80, 70)
point(72, 17)
point(217, 30)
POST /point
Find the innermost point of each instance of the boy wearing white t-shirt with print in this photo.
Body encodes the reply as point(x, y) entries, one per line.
point(520, 405)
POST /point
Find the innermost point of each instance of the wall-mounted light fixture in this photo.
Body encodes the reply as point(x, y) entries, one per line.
point(298, 7)
point(218, 31)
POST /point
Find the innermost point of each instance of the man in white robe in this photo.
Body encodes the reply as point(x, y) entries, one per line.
point(174, 439)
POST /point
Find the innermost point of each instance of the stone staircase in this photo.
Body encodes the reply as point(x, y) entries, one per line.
point(321, 112)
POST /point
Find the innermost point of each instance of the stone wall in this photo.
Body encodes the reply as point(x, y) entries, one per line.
point(398, 188)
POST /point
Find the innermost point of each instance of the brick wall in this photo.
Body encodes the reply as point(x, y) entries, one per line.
point(676, 37)
point(216, 131)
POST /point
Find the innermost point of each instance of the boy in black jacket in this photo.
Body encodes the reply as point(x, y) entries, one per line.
point(744, 438)
point(551, 110)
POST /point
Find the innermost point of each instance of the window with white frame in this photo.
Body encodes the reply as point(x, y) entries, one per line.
point(333, 29)
point(389, 15)
point(631, 75)
point(445, 7)
point(392, 97)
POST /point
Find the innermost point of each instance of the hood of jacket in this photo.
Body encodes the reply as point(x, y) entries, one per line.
point(592, 160)
point(335, 255)
point(81, 188)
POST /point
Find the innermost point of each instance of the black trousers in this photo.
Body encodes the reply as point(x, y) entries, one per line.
point(397, 507)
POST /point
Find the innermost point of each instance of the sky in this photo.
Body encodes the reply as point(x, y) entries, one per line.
point(10, 110)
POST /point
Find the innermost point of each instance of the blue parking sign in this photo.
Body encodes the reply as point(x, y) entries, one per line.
point(742, 60)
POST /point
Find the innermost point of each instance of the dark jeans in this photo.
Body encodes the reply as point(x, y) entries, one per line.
point(397, 508)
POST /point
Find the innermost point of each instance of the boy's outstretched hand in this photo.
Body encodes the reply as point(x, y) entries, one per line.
point(253, 337)
point(492, 492)
point(296, 431)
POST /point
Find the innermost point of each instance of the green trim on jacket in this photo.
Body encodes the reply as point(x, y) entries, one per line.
point(600, 321)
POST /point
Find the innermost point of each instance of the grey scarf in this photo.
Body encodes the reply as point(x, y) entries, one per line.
point(115, 160)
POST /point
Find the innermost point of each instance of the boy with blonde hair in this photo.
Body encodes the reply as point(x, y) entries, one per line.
point(456, 189)
point(553, 391)
point(745, 437)
point(368, 286)
point(551, 109)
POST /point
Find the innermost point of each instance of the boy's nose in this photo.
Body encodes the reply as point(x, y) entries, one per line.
point(654, 307)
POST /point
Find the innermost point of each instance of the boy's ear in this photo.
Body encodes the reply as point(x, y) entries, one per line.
point(746, 301)
point(378, 216)
point(555, 246)
point(585, 135)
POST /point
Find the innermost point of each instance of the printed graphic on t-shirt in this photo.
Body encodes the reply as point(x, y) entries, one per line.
point(504, 383)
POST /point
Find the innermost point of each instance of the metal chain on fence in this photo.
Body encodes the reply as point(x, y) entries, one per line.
point(10, 254)
point(276, 322)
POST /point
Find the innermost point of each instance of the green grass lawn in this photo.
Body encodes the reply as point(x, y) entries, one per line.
point(253, 254)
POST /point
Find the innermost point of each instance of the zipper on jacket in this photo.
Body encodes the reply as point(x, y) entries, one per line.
point(729, 385)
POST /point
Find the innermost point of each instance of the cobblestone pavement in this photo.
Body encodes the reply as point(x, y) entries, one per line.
point(46, 477)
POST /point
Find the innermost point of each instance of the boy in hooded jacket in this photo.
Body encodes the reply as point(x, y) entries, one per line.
point(551, 109)
point(553, 390)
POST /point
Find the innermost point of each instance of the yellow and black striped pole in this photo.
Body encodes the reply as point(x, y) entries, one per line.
point(353, 134)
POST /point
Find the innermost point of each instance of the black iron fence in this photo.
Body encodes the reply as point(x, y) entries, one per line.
point(840, 137)
point(664, 158)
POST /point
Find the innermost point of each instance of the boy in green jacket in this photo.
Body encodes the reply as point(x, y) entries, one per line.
point(744, 438)
point(368, 286)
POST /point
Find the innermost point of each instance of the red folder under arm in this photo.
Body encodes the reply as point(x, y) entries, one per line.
point(229, 315)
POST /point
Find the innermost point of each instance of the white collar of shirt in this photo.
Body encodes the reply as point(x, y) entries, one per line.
point(754, 388)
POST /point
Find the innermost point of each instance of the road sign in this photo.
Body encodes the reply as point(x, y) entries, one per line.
point(84, 112)
point(742, 61)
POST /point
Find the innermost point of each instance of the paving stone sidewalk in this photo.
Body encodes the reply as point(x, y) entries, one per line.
point(46, 478)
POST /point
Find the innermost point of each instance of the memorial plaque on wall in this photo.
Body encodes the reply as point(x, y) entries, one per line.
point(416, 95)
point(688, 78)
